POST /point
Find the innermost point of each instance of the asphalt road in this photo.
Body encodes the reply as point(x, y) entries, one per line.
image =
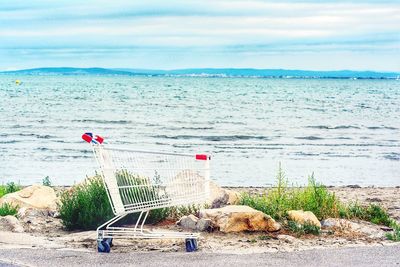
point(360, 256)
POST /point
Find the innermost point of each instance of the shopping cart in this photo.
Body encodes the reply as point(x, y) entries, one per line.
point(139, 181)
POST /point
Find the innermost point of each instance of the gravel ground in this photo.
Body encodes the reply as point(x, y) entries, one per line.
point(360, 256)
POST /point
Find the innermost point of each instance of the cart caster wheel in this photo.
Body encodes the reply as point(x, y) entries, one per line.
point(191, 244)
point(103, 246)
point(109, 242)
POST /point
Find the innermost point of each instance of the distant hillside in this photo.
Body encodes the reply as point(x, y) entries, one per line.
point(269, 73)
point(69, 71)
point(209, 72)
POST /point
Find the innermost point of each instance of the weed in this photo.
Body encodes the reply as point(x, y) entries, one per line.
point(372, 213)
point(277, 202)
point(8, 209)
point(46, 181)
point(302, 229)
point(395, 235)
point(85, 206)
point(12, 187)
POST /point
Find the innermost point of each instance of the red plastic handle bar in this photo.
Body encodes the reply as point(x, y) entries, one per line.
point(90, 138)
point(202, 157)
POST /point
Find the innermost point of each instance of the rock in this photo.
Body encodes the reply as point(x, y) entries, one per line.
point(194, 223)
point(304, 217)
point(204, 225)
point(188, 222)
point(286, 238)
point(374, 199)
point(366, 228)
point(35, 196)
point(10, 223)
point(237, 218)
point(220, 196)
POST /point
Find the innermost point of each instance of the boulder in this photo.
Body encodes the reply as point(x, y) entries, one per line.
point(204, 225)
point(237, 218)
point(194, 223)
point(304, 217)
point(369, 229)
point(188, 222)
point(10, 223)
point(219, 196)
point(35, 196)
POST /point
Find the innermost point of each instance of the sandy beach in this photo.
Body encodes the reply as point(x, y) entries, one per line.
point(47, 232)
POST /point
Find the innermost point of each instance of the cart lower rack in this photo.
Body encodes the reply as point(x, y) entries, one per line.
point(140, 181)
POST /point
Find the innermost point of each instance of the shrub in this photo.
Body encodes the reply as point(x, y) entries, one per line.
point(277, 202)
point(302, 229)
point(2, 190)
point(395, 236)
point(8, 209)
point(46, 181)
point(316, 198)
point(87, 205)
point(372, 213)
point(10, 187)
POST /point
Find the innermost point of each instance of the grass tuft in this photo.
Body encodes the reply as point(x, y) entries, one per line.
point(316, 198)
point(302, 229)
point(8, 209)
point(395, 235)
point(10, 187)
point(278, 201)
point(86, 205)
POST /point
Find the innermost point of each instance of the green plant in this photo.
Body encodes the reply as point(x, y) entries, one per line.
point(395, 235)
point(8, 209)
point(46, 181)
point(316, 198)
point(372, 213)
point(3, 190)
point(85, 206)
point(302, 229)
point(278, 201)
point(12, 187)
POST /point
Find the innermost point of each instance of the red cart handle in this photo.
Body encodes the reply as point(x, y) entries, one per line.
point(94, 139)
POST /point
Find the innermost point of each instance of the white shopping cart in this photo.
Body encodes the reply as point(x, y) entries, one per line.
point(140, 181)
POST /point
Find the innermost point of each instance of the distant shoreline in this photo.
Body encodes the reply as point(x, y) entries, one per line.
point(209, 73)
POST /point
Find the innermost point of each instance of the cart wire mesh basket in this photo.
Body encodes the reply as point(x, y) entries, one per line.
point(138, 181)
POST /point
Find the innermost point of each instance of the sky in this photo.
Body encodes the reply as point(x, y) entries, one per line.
point(311, 35)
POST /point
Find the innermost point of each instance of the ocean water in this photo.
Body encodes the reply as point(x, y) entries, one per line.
point(345, 131)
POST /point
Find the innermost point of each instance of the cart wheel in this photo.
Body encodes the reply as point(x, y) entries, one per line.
point(103, 246)
point(191, 244)
point(109, 242)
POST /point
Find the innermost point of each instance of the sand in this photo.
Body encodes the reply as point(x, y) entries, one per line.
point(48, 233)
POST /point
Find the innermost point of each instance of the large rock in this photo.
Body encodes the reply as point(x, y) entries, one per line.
point(194, 223)
point(10, 223)
point(35, 196)
point(219, 196)
point(236, 218)
point(304, 217)
point(366, 228)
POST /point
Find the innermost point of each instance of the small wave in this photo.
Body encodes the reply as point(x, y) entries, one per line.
point(104, 121)
point(9, 142)
point(381, 128)
point(306, 154)
point(213, 137)
point(392, 156)
point(324, 127)
point(309, 138)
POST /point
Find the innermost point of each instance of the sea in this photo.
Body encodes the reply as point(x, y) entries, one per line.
point(344, 132)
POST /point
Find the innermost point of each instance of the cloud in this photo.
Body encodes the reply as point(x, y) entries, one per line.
point(134, 29)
